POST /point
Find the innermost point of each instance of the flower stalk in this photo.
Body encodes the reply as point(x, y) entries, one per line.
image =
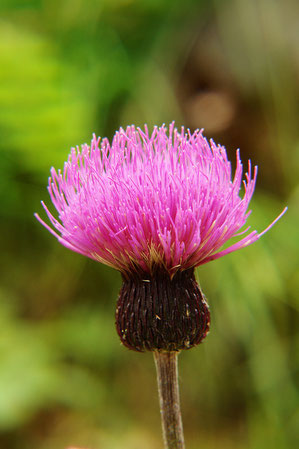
point(168, 387)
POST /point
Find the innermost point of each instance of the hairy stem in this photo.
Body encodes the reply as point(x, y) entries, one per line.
point(167, 376)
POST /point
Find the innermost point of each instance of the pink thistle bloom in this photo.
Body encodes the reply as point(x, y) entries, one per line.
point(153, 206)
point(166, 198)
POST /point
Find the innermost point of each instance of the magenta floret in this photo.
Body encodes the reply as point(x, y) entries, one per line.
point(166, 198)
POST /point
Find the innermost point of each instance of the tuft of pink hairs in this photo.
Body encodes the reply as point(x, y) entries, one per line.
point(167, 198)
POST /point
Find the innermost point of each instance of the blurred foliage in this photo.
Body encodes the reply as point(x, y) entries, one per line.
point(71, 68)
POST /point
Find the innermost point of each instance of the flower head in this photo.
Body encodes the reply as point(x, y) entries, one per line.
point(162, 199)
point(153, 206)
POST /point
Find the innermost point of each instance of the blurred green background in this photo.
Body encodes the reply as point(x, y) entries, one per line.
point(69, 68)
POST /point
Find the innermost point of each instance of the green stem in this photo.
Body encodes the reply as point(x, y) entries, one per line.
point(168, 387)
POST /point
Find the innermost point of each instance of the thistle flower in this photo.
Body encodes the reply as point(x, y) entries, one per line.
point(153, 206)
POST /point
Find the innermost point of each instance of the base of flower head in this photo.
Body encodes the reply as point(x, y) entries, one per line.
point(158, 312)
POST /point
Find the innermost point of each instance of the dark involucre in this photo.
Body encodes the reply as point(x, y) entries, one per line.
point(159, 313)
